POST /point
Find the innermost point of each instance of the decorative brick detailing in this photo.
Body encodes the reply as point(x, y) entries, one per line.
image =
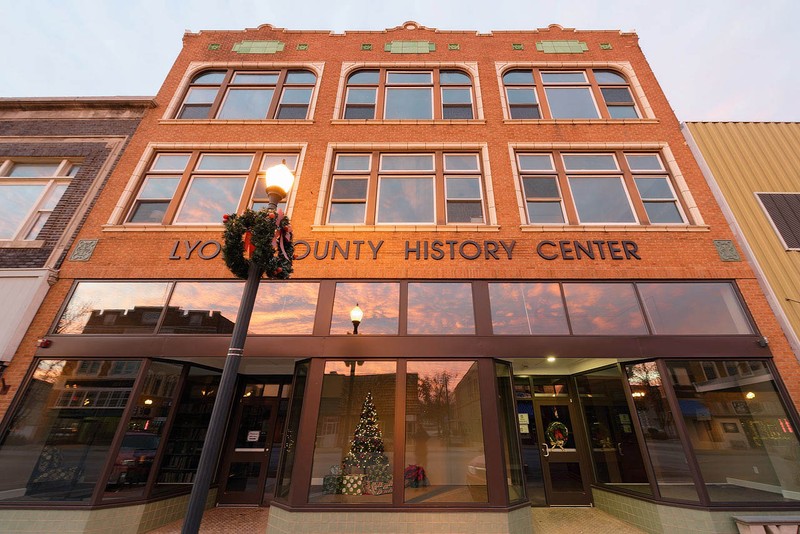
point(83, 251)
point(726, 250)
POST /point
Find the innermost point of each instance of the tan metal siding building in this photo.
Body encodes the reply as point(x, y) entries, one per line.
point(741, 160)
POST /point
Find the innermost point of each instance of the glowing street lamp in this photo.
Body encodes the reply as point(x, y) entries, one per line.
point(356, 314)
point(278, 180)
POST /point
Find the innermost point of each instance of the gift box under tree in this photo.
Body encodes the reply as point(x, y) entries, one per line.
point(353, 485)
point(332, 484)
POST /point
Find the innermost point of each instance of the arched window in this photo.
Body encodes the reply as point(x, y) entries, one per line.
point(396, 94)
point(249, 95)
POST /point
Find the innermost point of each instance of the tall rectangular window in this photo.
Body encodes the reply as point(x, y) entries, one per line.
point(739, 428)
point(29, 192)
point(353, 454)
point(198, 188)
point(60, 435)
point(597, 188)
point(783, 210)
point(402, 188)
point(445, 459)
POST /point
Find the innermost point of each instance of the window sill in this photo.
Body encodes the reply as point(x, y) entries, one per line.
point(238, 121)
point(338, 228)
point(163, 228)
point(581, 121)
point(614, 228)
point(36, 243)
point(409, 121)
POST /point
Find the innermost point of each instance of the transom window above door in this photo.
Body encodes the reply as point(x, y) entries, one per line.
point(541, 93)
point(393, 94)
point(406, 188)
point(193, 187)
point(228, 94)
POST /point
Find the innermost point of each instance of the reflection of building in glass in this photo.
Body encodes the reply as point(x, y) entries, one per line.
point(554, 319)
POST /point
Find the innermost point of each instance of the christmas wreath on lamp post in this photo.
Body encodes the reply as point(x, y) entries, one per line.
point(263, 237)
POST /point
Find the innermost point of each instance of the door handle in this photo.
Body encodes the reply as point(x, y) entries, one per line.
point(546, 450)
point(619, 448)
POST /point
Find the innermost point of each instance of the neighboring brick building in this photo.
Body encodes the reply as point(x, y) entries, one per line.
point(55, 156)
point(555, 311)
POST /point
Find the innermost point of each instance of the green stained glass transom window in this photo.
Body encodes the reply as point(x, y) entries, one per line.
point(410, 47)
point(562, 47)
point(258, 47)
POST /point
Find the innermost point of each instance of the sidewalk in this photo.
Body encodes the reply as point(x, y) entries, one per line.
point(545, 520)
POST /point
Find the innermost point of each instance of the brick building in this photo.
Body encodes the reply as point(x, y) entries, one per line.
point(555, 312)
point(55, 155)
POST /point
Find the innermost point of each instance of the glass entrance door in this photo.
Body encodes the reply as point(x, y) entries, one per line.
point(555, 462)
point(246, 461)
point(566, 477)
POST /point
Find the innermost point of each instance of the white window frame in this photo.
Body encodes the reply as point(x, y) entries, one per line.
point(61, 176)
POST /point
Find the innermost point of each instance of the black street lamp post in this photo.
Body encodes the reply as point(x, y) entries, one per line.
point(279, 180)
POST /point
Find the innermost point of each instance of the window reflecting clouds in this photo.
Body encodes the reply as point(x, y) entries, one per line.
point(440, 308)
point(286, 308)
point(203, 308)
point(527, 308)
point(604, 309)
point(380, 303)
point(687, 308)
point(113, 308)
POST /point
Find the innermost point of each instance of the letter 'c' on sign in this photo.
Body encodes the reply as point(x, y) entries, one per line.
point(540, 250)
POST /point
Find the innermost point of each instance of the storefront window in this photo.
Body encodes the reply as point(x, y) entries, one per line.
point(691, 308)
point(114, 308)
point(202, 308)
point(664, 446)
point(527, 309)
point(445, 459)
point(380, 302)
point(508, 433)
point(188, 432)
point(288, 308)
point(292, 427)
point(737, 424)
point(137, 453)
point(614, 446)
point(59, 437)
point(604, 309)
point(354, 445)
point(440, 308)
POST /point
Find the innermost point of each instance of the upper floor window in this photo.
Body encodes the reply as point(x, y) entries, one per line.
point(249, 95)
point(200, 187)
point(560, 94)
point(29, 192)
point(400, 188)
point(598, 188)
point(409, 95)
point(783, 210)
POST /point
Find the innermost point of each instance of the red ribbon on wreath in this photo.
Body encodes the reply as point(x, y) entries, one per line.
point(282, 234)
point(249, 247)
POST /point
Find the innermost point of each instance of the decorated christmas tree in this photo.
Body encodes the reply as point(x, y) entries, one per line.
point(366, 447)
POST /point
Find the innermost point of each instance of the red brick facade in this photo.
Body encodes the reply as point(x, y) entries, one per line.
point(129, 252)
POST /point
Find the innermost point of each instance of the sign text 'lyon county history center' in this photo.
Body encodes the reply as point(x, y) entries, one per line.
point(436, 249)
